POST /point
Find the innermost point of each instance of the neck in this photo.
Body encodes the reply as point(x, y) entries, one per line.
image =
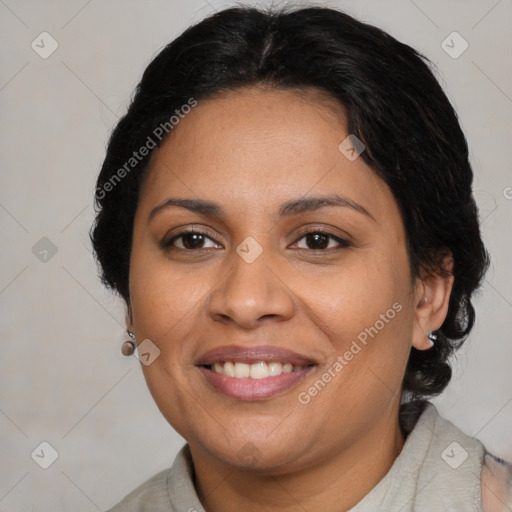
point(336, 483)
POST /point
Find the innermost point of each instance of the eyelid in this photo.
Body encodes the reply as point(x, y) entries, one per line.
point(167, 242)
point(343, 242)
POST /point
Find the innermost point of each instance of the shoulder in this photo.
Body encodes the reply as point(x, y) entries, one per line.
point(469, 473)
point(171, 490)
point(152, 495)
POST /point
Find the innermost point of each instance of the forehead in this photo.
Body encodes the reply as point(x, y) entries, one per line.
point(261, 146)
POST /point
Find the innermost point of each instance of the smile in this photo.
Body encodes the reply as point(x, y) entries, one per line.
point(253, 373)
point(260, 370)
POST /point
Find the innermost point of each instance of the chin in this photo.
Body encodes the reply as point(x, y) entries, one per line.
point(259, 453)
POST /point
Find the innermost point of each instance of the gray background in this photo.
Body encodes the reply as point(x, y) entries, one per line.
point(62, 377)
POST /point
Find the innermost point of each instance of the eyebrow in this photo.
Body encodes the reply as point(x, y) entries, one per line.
point(293, 207)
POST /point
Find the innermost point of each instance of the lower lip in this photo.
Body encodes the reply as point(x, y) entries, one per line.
point(254, 389)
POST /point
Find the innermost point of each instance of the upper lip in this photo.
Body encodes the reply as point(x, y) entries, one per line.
point(254, 354)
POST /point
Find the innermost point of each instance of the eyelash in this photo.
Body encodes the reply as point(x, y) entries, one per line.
point(168, 244)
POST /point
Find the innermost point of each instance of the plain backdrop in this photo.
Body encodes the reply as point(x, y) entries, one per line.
point(63, 380)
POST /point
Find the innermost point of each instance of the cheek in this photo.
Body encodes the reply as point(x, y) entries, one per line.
point(166, 300)
point(165, 303)
point(364, 310)
point(352, 297)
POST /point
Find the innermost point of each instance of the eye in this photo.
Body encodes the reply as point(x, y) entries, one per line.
point(190, 240)
point(315, 240)
point(318, 240)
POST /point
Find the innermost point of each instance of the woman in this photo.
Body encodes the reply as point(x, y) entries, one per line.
point(287, 211)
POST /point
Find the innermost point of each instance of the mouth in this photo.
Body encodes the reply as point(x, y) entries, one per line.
point(259, 370)
point(255, 373)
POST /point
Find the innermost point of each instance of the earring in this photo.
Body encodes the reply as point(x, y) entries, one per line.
point(128, 347)
point(431, 337)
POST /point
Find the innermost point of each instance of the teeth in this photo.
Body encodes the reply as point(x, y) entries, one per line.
point(259, 370)
point(242, 370)
point(275, 369)
point(229, 369)
point(287, 368)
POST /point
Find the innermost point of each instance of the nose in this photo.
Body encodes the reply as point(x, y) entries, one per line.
point(251, 293)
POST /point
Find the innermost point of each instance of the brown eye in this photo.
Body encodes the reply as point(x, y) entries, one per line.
point(320, 241)
point(190, 240)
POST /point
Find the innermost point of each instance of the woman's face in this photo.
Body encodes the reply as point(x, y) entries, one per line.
point(299, 258)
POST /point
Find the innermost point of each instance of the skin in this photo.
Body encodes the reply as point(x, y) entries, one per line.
point(249, 151)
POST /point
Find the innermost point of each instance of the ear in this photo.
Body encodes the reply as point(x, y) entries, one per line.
point(432, 296)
